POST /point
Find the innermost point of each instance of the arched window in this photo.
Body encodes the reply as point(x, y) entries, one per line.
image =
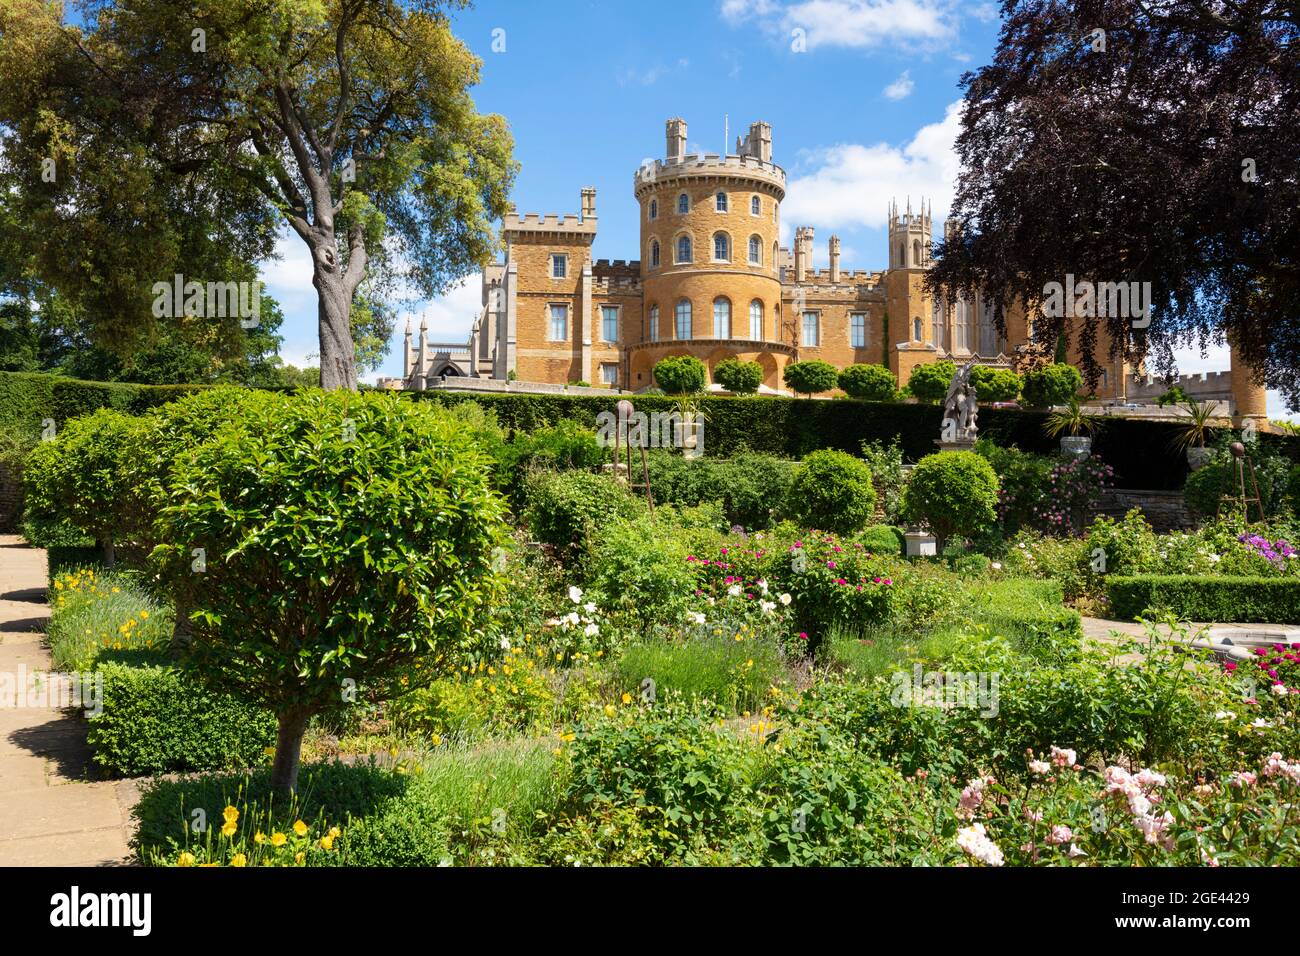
point(916, 252)
point(755, 206)
point(654, 253)
point(755, 251)
point(653, 323)
point(683, 204)
point(684, 319)
point(902, 255)
point(756, 320)
point(938, 330)
point(916, 329)
point(683, 248)
point(721, 247)
point(654, 209)
point(720, 202)
point(721, 318)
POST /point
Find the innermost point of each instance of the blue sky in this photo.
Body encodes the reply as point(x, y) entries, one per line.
point(861, 95)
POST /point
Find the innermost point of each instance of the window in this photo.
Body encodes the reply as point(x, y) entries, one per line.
point(810, 330)
point(721, 248)
point(858, 330)
point(683, 248)
point(654, 254)
point(755, 206)
point(722, 318)
point(916, 329)
point(654, 323)
point(684, 319)
point(654, 209)
point(559, 266)
point(609, 373)
point(559, 323)
point(916, 252)
point(683, 204)
point(755, 251)
point(720, 202)
point(756, 320)
point(609, 323)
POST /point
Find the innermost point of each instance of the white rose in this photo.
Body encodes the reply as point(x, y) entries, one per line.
point(591, 630)
point(590, 607)
point(575, 593)
point(734, 590)
point(784, 599)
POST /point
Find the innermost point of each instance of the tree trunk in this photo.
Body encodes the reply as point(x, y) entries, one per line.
point(338, 365)
point(288, 751)
point(110, 552)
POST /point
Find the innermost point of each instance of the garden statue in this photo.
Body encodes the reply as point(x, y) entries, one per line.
point(960, 411)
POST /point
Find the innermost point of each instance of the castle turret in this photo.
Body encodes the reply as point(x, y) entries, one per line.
point(835, 259)
point(676, 131)
point(406, 351)
point(588, 203)
point(910, 237)
point(1249, 399)
point(803, 241)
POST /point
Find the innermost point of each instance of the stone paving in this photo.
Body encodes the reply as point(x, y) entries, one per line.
point(50, 814)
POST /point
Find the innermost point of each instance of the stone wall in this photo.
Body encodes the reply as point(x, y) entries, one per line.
point(1164, 510)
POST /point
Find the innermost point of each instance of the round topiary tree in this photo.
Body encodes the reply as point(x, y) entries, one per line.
point(1051, 385)
point(832, 491)
point(809, 378)
point(680, 374)
point(328, 541)
point(995, 384)
point(929, 382)
point(85, 478)
point(954, 493)
point(742, 378)
point(874, 383)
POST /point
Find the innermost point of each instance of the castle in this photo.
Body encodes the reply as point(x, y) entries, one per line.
point(714, 282)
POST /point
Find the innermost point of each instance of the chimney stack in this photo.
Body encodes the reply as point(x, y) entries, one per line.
point(803, 237)
point(588, 202)
point(676, 139)
point(835, 259)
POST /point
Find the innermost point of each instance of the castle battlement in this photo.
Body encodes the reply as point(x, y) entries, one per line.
point(847, 278)
point(1199, 385)
point(549, 223)
point(696, 165)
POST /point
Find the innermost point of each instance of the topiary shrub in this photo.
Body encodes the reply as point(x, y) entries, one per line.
point(1050, 385)
point(954, 493)
point(882, 539)
point(155, 720)
point(995, 384)
point(680, 374)
point(328, 541)
point(873, 383)
point(564, 509)
point(929, 382)
point(809, 378)
point(742, 378)
point(749, 487)
point(832, 491)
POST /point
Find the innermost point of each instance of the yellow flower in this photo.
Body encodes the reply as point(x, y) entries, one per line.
point(144, 615)
point(186, 859)
point(278, 839)
point(299, 857)
point(259, 837)
point(228, 829)
point(116, 590)
point(627, 698)
point(437, 740)
point(327, 843)
point(609, 709)
point(230, 814)
point(557, 751)
point(334, 833)
point(239, 860)
point(269, 751)
point(300, 828)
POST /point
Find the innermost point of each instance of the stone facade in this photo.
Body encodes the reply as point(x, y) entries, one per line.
point(714, 282)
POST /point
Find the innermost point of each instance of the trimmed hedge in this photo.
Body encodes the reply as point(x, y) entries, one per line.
point(1209, 599)
point(155, 720)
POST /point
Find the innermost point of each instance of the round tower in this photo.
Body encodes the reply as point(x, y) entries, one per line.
point(709, 250)
point(1249, 399)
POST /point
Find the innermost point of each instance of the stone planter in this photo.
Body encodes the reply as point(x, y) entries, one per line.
point(1199, 457)
point(1077, 446)
point(689, 437)
point(921, 544)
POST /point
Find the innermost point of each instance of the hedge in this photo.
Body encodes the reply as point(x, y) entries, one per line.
point(155, 720)
point(1031, 614)
point(1207, 599)
point(791, 427)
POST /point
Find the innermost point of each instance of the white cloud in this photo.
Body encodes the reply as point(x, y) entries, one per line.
point(985, 12)
point(648, 76)
point(855, 24)
point(901, 88)
point(850, 185)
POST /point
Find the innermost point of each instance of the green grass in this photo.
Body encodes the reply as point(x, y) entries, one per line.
point(736, 675)
point(95, 610)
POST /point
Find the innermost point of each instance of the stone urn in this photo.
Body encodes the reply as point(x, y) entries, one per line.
point(1199, 457)
point(1076, 446)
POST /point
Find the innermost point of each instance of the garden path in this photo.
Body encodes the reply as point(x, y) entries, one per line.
point(49, 814)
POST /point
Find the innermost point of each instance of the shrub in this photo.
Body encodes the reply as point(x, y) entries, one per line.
point(565, 446)
point(680, 374)
point(953, 492)
point(871, 382)
point(887, 476)
point(995, 384)
point(742, 378)
point(638, 568)
point(85, 478)
point(929, 382)
point(882, 539)
point(1052, 384)
point(565, 509)
point(155, 720)
point(832, 490)
point(354, 534)
point(1203, 598)
point(809, 378)
point(1293, 489)
point(747, 486)
point(1213, 486)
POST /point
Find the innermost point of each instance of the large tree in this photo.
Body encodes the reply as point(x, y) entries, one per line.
point(181, 130)
point(1139, 140)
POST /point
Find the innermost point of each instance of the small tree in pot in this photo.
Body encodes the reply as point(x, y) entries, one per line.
point(1074, 428)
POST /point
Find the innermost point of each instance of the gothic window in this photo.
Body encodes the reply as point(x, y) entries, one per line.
point(721, 318)
point(756, 320)
point(755, 251)
point(916, 329)
point(654, 254)
point(654, 209)
point(755, 206)
point(683, 204)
